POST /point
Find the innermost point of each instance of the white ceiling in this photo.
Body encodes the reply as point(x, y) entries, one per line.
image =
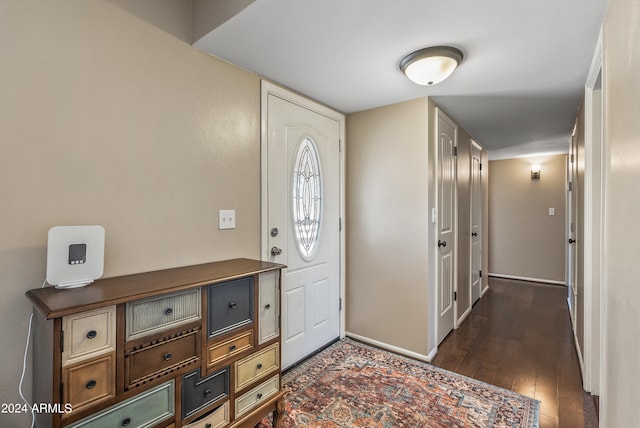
point(517, 90)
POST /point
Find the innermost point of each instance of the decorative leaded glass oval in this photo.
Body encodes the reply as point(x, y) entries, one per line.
point(307, 198)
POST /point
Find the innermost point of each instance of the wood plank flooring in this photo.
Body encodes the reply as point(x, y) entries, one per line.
point(518, 336)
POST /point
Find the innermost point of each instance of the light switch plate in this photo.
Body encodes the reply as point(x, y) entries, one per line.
point(226, 219)
point(552, 211)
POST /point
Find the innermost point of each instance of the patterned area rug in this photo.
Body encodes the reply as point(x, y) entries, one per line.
point(351, 384)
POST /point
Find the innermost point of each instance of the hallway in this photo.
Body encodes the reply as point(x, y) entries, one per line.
point(519, 337)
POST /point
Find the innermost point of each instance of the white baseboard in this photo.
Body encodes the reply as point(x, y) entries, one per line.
point(484, 291)
point(431, 355)
point(392, 348)
point(525, 278)
point(463, 317)
point(575, 339)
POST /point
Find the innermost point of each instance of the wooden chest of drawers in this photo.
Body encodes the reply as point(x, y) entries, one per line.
point(197, 346)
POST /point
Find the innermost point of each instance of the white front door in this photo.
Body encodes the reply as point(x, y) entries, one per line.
point(447, 142)
point(302, 225)
point(476, 220)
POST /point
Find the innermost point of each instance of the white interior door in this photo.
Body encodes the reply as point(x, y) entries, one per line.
point(572, 230)
point(447, 142)
point(302, 224)
point(476, 221)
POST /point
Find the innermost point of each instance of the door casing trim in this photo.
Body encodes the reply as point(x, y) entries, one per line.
point(269, 88)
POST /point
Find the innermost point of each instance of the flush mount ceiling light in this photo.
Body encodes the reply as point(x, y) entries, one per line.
point(429, 66)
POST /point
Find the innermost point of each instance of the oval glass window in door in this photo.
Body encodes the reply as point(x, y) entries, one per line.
point(306, 203)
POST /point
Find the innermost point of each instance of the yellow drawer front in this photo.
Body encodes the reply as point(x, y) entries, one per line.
point(257, 395)
point(89, 382)
point(221, 351)
point(160, 313)
point(256, 366)
point(88, 334)
point(216, 419)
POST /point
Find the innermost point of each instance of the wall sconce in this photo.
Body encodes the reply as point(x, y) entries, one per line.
point(535, 172)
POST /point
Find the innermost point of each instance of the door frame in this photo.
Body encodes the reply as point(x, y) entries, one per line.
point(269, 88)
point(593, 223)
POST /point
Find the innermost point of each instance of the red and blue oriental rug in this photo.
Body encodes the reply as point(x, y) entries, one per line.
point(351, 384)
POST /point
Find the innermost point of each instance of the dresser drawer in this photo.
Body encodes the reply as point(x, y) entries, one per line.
point(257, 395)
point(216, 419)
point(163, 356)
point(199, 392)
point(256, 366)
point(88, 334)
point(155, 314)
point(89, 382)
point(268, 306)
point(219, 352)
point(230, 305)
point(144, 410)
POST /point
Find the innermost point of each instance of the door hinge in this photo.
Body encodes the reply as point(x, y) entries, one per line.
point(571, 158)
point(340, 304)
point(455, 150)
point(62, 341)
point(455, 296)
point(340, 224)
point(480, 274)
point(340, 145)
point(571, 186)
point(480, 167)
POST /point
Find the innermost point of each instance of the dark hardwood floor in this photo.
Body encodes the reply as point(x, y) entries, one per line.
point(518, 336)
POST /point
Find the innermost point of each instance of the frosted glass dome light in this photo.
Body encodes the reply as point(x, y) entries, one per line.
point(432, 65)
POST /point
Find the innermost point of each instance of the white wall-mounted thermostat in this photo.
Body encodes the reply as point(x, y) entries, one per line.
point(75, 255)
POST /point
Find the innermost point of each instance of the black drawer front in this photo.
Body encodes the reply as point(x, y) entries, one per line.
point(230, 305)
point(199, 392)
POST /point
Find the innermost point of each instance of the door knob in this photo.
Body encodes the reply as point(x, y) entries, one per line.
point(474, 234)
point(442, 243)
point(571, 241)
point(275, 251)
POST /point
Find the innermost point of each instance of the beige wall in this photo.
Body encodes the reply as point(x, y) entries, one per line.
point(210, 14)
point(387, 213)
point(524, 240)
point(108, 119)
point(621, 347)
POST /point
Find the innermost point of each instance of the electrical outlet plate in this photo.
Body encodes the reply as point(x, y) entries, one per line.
point(226, 219)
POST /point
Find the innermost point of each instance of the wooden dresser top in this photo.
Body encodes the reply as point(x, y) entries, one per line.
point(54, 303)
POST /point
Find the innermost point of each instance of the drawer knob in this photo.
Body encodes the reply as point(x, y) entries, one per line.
point(259, 366)
point(92, 334)
point(168, 311)
point(232, 348)
point(259, 395)
point(167, 356)
point(267, 306)
point(207, 393)
point(233, 305)
point(91, 384)
point(126, 422)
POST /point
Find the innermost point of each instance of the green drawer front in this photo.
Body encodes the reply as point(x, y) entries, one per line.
point(143, 410)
